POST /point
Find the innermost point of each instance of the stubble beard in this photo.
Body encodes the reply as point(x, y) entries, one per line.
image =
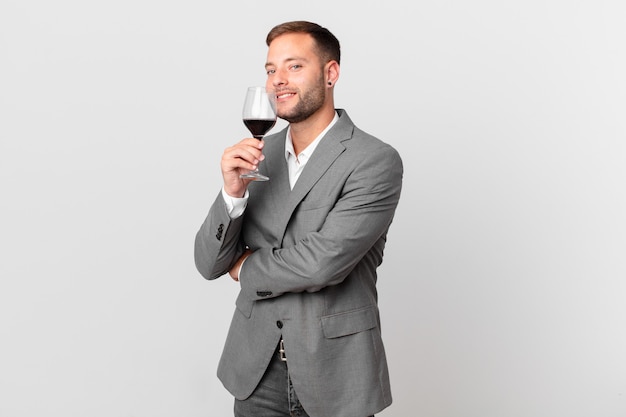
point(310, 102)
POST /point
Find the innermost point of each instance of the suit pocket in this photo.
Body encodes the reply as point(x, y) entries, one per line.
point(350, 322)
point(244, 305)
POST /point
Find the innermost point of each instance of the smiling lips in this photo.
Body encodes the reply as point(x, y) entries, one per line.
point(282, 96)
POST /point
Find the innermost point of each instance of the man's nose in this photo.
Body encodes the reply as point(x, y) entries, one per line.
point(279, 79)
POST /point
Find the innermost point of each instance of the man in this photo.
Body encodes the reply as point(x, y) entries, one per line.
point(305, 338)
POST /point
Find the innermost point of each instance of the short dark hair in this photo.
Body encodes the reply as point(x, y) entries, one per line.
point(326, 42)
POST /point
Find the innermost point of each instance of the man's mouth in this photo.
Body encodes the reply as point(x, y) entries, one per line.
point(280, 96)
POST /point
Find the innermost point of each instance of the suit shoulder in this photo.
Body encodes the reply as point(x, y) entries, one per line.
point(367, 143)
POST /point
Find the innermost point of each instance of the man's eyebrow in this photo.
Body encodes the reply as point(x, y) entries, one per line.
point(271, 64)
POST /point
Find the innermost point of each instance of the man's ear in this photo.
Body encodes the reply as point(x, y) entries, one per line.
point(331, 71)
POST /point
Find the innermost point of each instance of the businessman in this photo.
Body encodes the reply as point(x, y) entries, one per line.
point(304, 247)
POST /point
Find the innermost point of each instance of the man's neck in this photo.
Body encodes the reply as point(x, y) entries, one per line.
point(305, 132)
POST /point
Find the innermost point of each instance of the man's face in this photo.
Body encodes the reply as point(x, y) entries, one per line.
point(294, 72)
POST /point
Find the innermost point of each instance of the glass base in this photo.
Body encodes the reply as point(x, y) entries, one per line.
point(255, 175)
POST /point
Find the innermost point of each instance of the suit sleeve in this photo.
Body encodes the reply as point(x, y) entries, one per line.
point(352, 235)
point(217, 243)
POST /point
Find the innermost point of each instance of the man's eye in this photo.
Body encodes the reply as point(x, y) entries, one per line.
point(271, 71)
point(296, 66)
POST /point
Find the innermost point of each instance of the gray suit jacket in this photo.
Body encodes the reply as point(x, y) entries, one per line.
point(312, 276)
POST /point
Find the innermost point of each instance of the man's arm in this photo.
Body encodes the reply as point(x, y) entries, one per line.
point(234, 270)
point(354, 228)
point(217, 243)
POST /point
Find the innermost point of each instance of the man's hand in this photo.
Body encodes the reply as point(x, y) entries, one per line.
point(239, 159)
point(234, 271)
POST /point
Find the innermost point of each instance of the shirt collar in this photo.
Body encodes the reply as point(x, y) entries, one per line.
point(308, 151)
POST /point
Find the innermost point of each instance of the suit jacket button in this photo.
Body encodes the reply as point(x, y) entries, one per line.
point(279, 324)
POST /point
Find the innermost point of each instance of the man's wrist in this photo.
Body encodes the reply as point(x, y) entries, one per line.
point(235, 206)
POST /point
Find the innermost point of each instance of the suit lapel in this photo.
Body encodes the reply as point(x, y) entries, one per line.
point(277, 188)
point(330, 147)
point(325, 154)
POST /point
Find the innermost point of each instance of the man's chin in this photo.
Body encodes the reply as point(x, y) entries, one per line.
point(294, 117)
point(289, 118)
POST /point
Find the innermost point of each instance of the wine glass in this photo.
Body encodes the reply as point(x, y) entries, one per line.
point(259, 116)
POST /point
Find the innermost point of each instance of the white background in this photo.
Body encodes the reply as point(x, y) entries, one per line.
point(503, 291)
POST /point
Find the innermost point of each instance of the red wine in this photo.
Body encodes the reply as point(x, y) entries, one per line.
point(259, 127)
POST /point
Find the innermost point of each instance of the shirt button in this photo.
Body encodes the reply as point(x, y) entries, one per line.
point(279, 324)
